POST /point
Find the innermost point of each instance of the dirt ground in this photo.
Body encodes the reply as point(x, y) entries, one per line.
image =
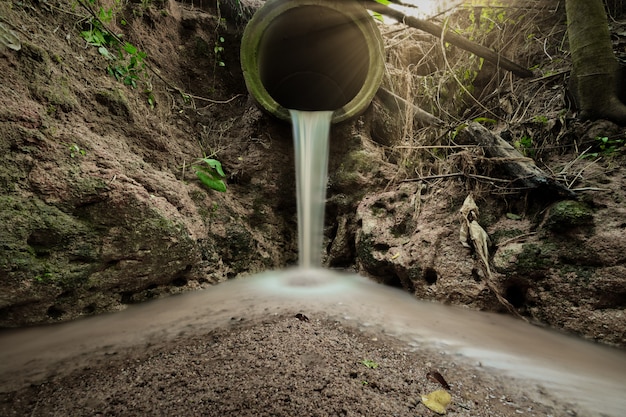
point(278, 366)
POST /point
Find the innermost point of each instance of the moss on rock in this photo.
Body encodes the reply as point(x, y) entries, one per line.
point(567, 215)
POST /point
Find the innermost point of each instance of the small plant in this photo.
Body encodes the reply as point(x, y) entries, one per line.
point(218, 49)
point(525, 146)
point(370, 364)
point(607, 146)
point(210, 173)
point(75, 150)
point(45, 277)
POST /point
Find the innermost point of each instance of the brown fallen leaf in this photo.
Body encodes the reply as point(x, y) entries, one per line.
point(437, 377)
point(302, 317)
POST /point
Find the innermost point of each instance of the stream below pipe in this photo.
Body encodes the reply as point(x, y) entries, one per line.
point(592, 377)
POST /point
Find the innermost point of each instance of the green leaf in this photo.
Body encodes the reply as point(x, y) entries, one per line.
point(485, 120)
point(513, 216)
point(130, 48)
point(370, 364)
point(212, 183)
point(215, 164)
point(104, 52)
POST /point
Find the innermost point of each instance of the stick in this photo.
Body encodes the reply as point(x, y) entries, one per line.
point(522, 169)
point(396, 103)
point(450, 37)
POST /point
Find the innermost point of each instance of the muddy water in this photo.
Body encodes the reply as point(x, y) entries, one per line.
point(591, 376)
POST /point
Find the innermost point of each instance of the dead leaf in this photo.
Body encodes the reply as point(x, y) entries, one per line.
point(469, 212)
point(302, 317)
point(473, 235)
point(437, 377)
point(437, 401)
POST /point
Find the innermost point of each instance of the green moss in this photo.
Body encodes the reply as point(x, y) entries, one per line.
point(356, 167)
point(535, 258)
point(41, 243)
point(582, 274)
point(567, 215)
point(202, 48)
point(36, 66)
point(57, 93)
point(364, 250)
point(115, 101)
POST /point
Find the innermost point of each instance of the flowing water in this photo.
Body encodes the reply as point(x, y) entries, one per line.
point(310, 139)
point(589, 376)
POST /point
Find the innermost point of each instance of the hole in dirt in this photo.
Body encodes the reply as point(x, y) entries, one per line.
point(127, 297)
point(179, 282)
point(476, 275)
point(613, 299)
point(55, 312)
point(516, 293)
point(381, 247)
point(90, 309)
point(430, 276)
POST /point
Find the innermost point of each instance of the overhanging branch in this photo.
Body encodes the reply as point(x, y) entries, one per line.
point(450, 37)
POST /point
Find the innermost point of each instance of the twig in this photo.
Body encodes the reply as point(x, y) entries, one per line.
point(450, 37)
point(436, 146)
point(590, 189)
point(455, 174)
point(513, 239)
point(433, 177)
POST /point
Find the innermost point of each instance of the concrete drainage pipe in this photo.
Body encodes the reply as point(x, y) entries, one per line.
point(312, 55)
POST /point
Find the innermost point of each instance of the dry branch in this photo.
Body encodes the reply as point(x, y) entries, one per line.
point(522, 169)
point(397, 104)
point(450, 37)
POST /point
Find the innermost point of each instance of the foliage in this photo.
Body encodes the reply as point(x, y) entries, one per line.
point(607, 146)
point(525, 146)
point(218, 49)
point(369, 363)
point(75, 150)
point(127, 61)
point(211, 174)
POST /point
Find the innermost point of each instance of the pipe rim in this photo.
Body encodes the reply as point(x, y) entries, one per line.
point(261, 20)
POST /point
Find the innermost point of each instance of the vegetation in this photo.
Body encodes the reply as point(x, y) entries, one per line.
point(210, 173)
point(127, 62)
point(369, 363)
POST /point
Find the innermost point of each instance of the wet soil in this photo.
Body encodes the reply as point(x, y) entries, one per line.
point(278, 366)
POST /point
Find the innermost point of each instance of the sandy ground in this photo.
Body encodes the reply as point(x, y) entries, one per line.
point(278, 366)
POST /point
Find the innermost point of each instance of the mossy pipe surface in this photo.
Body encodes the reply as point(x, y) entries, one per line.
point(312, 55)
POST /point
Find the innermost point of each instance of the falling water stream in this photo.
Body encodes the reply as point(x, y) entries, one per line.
point(589, 376)
point(310, 139)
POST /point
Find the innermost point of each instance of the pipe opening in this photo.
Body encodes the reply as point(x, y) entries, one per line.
point(313, 58)
point(312, 55)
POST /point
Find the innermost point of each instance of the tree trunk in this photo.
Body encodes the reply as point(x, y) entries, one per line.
point(595, 67)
